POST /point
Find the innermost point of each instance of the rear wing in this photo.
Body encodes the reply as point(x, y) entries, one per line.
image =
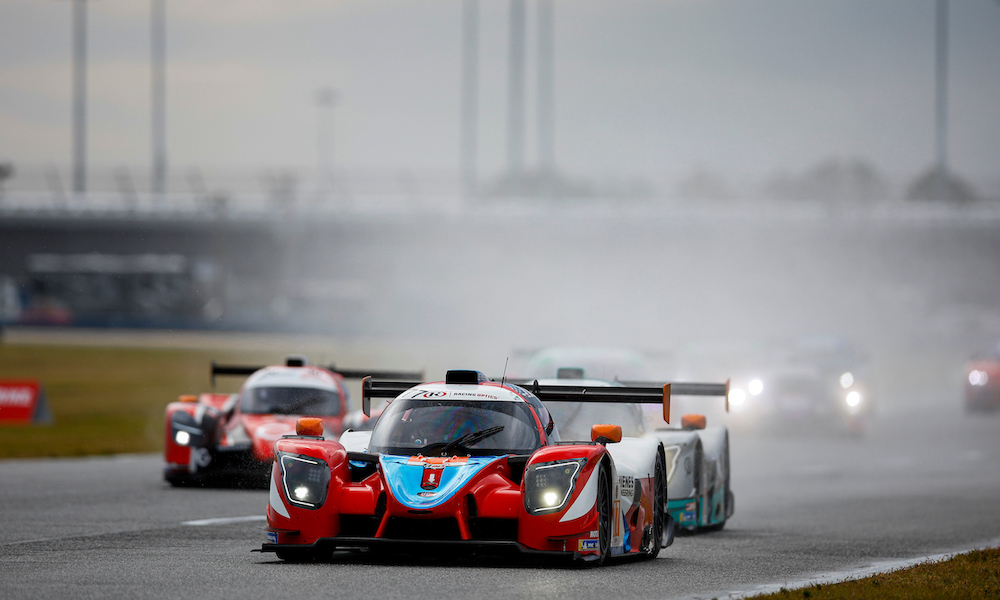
point(632, 393)
point(691, 389)
point(297, 361)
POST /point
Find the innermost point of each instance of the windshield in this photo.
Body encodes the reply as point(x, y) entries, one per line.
point(446, 427)
point(575, 419)
point(290, 401)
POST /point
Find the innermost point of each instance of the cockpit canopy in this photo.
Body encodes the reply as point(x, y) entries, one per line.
point(455, 426)
point(280, 400)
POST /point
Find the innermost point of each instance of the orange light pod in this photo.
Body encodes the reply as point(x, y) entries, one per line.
point(693, 422)
point(187, 398)
point(613, 433)
point(309, 426)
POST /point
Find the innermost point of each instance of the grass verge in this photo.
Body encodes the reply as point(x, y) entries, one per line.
point(108, 400)
point(971, 576)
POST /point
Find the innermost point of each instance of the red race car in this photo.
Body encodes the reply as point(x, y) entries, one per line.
point(229, 438)
point(982, 381)
point(469, 465)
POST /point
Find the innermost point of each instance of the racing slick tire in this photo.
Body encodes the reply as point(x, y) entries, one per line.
point(604, 511)
point(659, 505)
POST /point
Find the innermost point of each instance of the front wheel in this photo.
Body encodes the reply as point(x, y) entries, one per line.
point(604, 511)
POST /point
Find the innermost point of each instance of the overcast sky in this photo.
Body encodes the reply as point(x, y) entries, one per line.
point(651, 89)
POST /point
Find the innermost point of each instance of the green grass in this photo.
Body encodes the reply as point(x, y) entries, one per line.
point(107, 400)
point(971, 576)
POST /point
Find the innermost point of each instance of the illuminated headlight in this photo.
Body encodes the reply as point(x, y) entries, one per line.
point(846, 380)
point(755, 387)
point(549, 485)
point(182, 438)
point(306, 479)
point(978, 377)
point(853, 398)
point(737, 396)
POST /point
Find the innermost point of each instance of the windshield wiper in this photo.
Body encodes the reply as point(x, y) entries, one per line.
point(471, 438)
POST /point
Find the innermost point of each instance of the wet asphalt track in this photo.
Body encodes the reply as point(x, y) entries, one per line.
point(915, 485)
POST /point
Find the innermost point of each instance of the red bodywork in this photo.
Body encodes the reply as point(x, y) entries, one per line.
point(393, 501)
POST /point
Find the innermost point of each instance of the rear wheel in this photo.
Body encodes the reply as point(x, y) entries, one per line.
point(659, 504)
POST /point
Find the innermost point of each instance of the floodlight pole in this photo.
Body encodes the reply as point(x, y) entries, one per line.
point(158, 63)
point(941, 99)
point(515, 89)
point(326, 99)
point(470, 94)
point(79, 96)
point(546, 86)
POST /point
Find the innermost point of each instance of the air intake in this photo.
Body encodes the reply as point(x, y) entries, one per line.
point(465, 377)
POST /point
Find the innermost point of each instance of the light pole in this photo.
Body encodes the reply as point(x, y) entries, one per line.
point(515, 90)
point(158, 63)
point(546, 88)
point(470, 94)
point(941, 99)
point(326, 99)
point(79, 96)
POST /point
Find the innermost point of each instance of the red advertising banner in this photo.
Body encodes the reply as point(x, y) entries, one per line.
point(21, 401)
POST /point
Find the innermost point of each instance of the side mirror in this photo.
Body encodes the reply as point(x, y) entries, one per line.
point(693, 422)
point(606, 434)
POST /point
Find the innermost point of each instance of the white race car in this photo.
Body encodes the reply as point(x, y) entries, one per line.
point(697, 456)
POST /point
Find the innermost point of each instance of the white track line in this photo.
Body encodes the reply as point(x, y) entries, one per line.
point(224, 520)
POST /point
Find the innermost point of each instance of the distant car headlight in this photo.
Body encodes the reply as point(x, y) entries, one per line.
point(549, 485)
point(853, 398)
point(185, 431)
point(737, 396)
point(847, 380)
point(755, 387)
point(306, 479)
point(978, 377)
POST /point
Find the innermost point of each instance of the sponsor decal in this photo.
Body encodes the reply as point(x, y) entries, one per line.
point(589, 545)
point(595, 533)
point(432, 477)
point(426, 494)
point(691, 506)
point(626, 483)
point(688, 516)
point(22, 401)
point(272, 537)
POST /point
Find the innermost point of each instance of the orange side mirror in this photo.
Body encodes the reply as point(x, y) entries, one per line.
point(693, 422)
point(309, 426)
point(612, 433)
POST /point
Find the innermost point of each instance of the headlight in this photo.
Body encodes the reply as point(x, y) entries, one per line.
point(755, 387)
point(978, 377)
point(185, 431)
point(846, 380)
point(305, 479)
point(737, 396)
point(853, 398)
point(548, 485)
